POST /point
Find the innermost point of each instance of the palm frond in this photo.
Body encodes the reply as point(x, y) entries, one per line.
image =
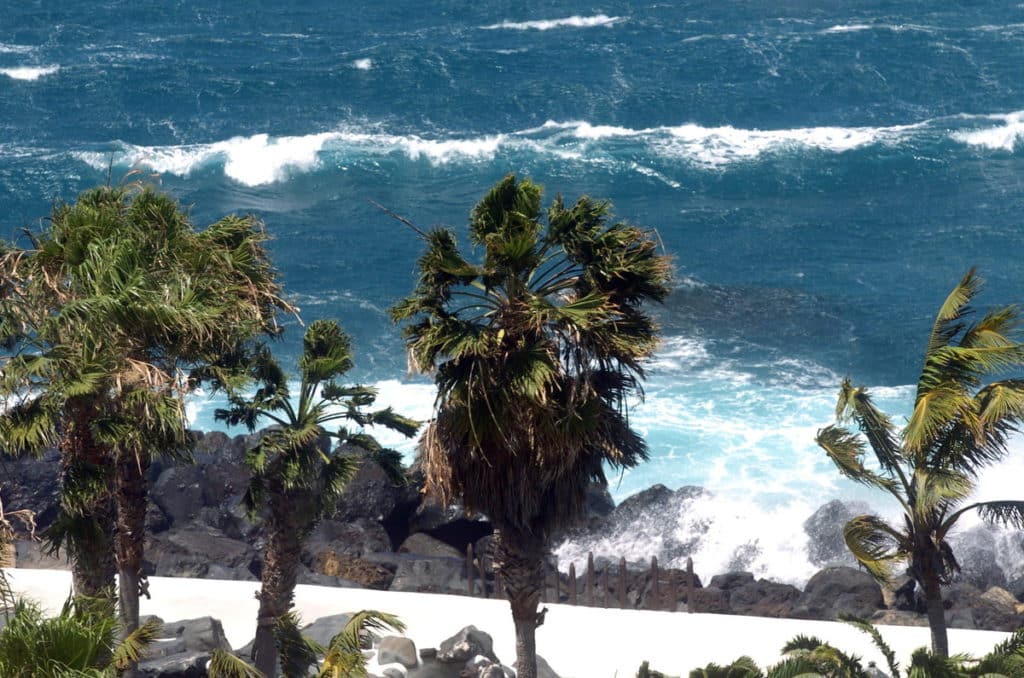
point(130, 650)
point(875, 545)
point(846, 451)
point(223, 664)
point(876, 637)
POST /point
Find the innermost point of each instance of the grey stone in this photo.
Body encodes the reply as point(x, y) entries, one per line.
point(430, 575)
point(396, 649)
point(824, 528)
point(466, 644)
point(190, 665)
point(424, 545)
point(837, 590)
point(325, 628)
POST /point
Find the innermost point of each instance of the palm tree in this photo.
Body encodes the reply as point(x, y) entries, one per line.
point(297, 478)
point(106, 312)
point(536, 349)
point(960, 423)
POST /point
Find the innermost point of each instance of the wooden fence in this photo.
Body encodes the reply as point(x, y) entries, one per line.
point(618, 587)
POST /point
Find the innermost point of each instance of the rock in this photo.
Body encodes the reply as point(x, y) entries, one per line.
point(968, 608)
point(354, 539)
point(365, 573)
point(325, 628)
point(430, 575)
point(824, 528)
point(306, 576)
point(761, 598)
point(431, 668)
point(394, 672)
point(899, 618)
point(975, 550)
point(203, 634)
point(424, 545)
point(188, 665)
point(370, 494)
point(199, 551)
point(837, 590)
point(466, 644)
point(396, 649)
point(31, 483)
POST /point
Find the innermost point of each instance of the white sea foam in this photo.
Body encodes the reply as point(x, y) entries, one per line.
point(1004, 137)
point(263, 159)
point(548, 24)
point(252, 161)
point(29, 72)
point(362, 64)
point(848, 28)
point(7, 48)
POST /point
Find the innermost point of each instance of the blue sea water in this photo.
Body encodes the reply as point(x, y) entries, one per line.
point(822, 173)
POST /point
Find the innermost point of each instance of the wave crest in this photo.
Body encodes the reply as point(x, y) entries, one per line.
point(548, 24)
point(28, 72)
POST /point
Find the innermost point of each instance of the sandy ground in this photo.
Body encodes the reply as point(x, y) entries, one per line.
point(577, 642)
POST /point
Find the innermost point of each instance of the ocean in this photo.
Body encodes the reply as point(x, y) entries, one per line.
point(822, 174)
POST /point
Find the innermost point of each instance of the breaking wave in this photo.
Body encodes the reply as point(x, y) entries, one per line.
point(548, 24)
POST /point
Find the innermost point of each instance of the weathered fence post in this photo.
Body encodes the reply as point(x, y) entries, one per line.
point(482, 571)
point(469, 569)
point(690, 592)
point(572, 583)
point(622, 582)
point(655, 601)
point(604, 585)
point(590, 585)
point(673, 590)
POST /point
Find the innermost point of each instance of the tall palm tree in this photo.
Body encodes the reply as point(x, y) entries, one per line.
point(536, 349)
point(961, 422)
point(297, 477)
point(106, 311)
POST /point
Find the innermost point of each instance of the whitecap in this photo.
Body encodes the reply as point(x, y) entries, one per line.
point(848, 28)
point(1004, 137)
point(548, 24)
point(252, 161)
point(29, 72)
point(362, 64)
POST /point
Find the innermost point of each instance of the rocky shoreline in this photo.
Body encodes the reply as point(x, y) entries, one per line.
point(390, 538)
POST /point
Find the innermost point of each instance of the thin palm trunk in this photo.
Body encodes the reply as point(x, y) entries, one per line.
point(280, 572)
point(130, 497)
point(936, 616)
point(521, 564)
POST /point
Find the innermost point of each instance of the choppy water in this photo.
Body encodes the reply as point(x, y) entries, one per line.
point(822, 172)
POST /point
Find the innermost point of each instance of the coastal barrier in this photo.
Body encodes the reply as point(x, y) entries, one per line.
point(606, 585)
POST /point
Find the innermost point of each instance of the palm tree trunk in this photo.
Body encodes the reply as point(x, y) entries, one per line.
point(280, 571)
point(936, 616)
point(129, 542)
point(520, 560)
point(87, 506)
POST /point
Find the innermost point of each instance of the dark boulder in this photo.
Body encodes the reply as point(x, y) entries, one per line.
point(761, 598)
point(373, 572)
point(32, 483)
point(824, 528)
point(975, 550)
point(199, 551)
point(466, 644)
point(354, 539)
point(430, 575)
point(370, 494)
point(838, 590)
